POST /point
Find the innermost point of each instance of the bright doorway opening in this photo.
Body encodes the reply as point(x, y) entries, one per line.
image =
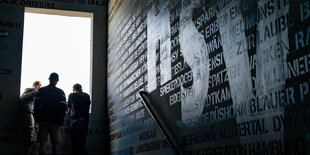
point(57, 41)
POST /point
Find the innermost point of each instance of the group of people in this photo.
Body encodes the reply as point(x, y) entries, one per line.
point(47, 106)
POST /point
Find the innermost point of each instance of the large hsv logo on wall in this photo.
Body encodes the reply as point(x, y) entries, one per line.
point(194, 50)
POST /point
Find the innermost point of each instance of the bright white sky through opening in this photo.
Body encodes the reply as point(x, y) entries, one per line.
point(55, 43)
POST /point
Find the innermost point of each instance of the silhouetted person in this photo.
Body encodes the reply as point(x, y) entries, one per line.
point(27, 133)
point(79, 103)
point(49, 111)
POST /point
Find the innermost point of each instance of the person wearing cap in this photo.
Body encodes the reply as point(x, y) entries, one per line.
point(49, 111)
point(26, 121)
point(79, 103)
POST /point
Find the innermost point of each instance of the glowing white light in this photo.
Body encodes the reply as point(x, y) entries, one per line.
point(56, 43)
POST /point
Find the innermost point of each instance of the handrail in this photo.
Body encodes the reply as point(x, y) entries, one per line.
point(160, 123)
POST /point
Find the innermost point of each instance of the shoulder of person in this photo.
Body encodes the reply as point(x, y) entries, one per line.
point(71, 95)
point(82, 94)
point(29, 90)
point(42, 88)
point(60, 90)
point(85, 94)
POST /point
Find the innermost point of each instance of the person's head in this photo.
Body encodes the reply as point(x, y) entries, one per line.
point(77, 88)
point(53, 78)
point(37, 84)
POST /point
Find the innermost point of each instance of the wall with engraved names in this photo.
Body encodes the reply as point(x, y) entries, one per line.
point(227, 76)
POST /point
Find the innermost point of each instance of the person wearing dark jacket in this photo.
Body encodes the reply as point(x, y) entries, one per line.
point(49, 111)
point(79, 103)
point(26, 121)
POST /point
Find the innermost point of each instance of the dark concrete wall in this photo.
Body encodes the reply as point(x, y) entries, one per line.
point(228, 77)
point(12, 12)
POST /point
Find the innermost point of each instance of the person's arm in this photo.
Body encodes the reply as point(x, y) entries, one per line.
point(62, 104)
point(36, 106)
point(63, 101)
point(69, 102)
point(89, 99)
